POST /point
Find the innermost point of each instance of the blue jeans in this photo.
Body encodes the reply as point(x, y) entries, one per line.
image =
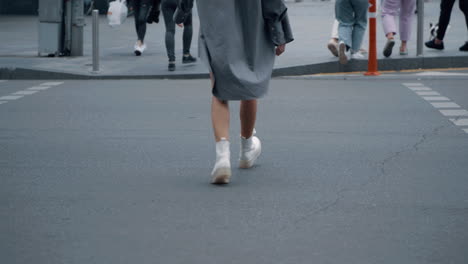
point(352, 15)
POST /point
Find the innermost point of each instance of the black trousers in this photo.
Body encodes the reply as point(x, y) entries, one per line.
point(446, 7)
point(141, 11)
point(168, 8)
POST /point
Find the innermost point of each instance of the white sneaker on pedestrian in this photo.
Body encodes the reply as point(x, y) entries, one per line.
point(344, 55)
point(358, 56)
point(222, 169)
point(139, 49)
point(250, 151)
point(333, 47)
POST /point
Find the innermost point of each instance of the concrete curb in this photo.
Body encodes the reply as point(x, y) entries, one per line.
point(18, 73)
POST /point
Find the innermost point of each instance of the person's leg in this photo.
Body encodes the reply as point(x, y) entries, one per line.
point(220, 121)
point(345, 16)
point(136, 14)
point(360, 25)
point(444, 19)
point(389, 12)
point(143, 11)
point(187, 36)
point(251, 146)
point(334, 32)
point(333, 42)
point(248, 116)
point(168, 8)
point(219, 116)
point(406, 20)
point(464, 8)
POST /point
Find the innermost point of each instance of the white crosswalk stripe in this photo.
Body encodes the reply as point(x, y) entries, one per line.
point(460, 122)
point(28, 91)
point(25, 92)
point(11, 97)
point(442, 103)
point(445, 105)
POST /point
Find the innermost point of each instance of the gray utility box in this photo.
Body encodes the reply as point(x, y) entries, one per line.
point(61, 24)
point(50, 27)
point(76, 29)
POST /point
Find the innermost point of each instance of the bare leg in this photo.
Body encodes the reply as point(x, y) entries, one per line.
point(403, 45)
point(219, 117)
point(248, 116)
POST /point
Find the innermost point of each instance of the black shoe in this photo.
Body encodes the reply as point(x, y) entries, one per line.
point(188, 59)
point(171, 66)
point(153, 16)
point(431, 44)
point(464, 47)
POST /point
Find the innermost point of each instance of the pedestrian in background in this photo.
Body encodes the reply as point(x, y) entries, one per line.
point(405, 10)
point(446, 7)
point(352, 18)
point(168, 8)
point(141, 10)
point(237, 41)
point(332, 44)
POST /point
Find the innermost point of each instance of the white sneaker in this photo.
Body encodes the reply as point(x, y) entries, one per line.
point(250, 151)
point(358, 55)
point(333, 47)
point(344, 54)
point(139, 49)
point(222, 169)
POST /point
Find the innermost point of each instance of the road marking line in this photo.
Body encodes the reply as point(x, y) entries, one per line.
point(38, 88)
point(461, 112)
point(51, 83)
point(25, 92)
point(11, 97)
point(412, 84)
point(445, 105)
point(3, 102)
point(435, 98)
point(428, 93)
point(460, 122)
point(2, 81)
point(421, 88)
point(466, 130)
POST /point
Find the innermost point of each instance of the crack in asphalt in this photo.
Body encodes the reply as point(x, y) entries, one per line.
point(383, 173)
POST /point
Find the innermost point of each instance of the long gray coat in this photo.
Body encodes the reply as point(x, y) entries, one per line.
point(237, 40)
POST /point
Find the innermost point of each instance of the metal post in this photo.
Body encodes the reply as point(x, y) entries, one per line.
point(420, 40)
point(95, 40)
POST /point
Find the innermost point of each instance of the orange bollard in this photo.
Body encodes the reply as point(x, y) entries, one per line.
point(372, 61)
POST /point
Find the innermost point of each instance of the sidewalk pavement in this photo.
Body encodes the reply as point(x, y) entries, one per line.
point(311, 22)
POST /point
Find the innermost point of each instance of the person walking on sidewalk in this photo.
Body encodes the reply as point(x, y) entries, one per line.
point(446, 7)
point(390, 9)
point(141, 10)
point(168, 8)
point(332, 44)
point(352, 16)
point(237, 41)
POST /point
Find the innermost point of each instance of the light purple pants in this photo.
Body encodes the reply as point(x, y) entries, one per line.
point(391, 9)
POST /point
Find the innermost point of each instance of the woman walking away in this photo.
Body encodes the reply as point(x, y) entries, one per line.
point(352, 15)
point(390, 9)
point(237, 41)
point(168, 8)
point(446, 7)
point(141, 10)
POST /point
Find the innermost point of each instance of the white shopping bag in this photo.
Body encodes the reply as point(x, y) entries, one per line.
point(117, 13)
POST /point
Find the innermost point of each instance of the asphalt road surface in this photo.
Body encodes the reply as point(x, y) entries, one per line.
point(352, 171)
